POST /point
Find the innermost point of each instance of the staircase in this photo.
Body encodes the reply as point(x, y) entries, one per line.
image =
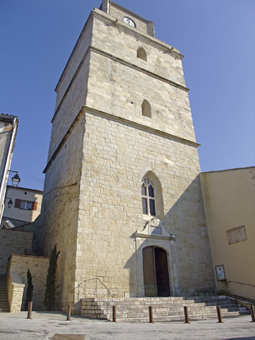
point(164, 308)
point(4, 304)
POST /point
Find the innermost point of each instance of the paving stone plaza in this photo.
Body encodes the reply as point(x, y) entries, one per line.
point(53, 326)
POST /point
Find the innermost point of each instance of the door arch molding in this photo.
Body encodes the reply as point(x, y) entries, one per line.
point(166, 244)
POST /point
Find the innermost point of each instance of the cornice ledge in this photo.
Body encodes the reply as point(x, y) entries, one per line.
point(63, 140)
point(169, 238)
point(136, 67)
point(141, 126)
point(158, 43)
point(119, 119)
point(85, 27)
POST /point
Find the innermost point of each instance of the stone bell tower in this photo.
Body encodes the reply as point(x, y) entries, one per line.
point(122, 197)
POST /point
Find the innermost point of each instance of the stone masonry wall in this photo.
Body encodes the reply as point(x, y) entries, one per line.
point(71, 104)
point(76, 57)
point(18, 267)
point(126, 90)
point(110, 212)
point(121, 43)
point(120, 88)
point(13, 242)
point(58, 223)
point(120, 147)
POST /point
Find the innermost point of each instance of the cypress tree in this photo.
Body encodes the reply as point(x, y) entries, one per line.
point(30, 287)
point(49, 296)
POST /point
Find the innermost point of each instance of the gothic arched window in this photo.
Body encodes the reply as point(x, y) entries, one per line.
point(152, 197)
point(148, 197)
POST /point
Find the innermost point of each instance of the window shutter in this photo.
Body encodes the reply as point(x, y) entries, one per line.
point(17, 203)
point(34, 206)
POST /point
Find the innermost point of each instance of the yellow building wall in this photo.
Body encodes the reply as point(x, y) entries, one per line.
point(229, 198)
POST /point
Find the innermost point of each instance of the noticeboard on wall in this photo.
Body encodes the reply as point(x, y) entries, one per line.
point(220, 273)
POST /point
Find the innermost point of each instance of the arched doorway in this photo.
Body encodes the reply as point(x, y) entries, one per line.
point(155, 272)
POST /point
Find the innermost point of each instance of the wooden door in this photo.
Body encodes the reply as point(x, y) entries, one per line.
point(149, 272)
point(155, 272)
point(162, 272)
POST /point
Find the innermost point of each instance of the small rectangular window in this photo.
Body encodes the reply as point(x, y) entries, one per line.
point(143, 190)
point(26, 205)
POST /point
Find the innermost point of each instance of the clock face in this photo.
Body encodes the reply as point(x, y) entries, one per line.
point(129, 21)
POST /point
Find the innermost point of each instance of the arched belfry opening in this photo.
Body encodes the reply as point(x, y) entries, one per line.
point(155, 272)
point(146, 108)
point(141, 54)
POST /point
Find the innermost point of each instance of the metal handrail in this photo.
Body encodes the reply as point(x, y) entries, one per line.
point(78, 293)
point(108, 290)
point(97, 278)
point(84, 290)
point(242, 283)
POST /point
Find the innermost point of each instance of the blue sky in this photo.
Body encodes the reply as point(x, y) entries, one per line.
point(215, 36)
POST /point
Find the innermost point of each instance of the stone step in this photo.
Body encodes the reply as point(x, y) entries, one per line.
point(166, 305)
point(130, 304)
point(177, 317)
point(163, 310)
point(169, 308)
point(161, 307)
point(4, 304)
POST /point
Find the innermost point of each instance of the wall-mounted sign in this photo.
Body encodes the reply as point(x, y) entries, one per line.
point(220, 273)
point(237, 234)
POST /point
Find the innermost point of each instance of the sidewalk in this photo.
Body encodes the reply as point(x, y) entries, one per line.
point(53, 326)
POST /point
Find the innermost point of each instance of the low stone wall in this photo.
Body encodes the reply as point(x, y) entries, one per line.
point(17, 280)
point(15, 291)
point(13, 242)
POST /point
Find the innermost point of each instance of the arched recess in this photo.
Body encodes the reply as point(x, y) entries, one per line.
point(151, 192)
point(141, 53)
point(146, 108)
point(155, 272)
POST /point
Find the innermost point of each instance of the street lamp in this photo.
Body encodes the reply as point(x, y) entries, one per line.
point(10, 203)
point(15, 180)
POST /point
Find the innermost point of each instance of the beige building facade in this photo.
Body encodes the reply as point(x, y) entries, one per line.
point(122, 197)
point(229, 198)
point(25, 207)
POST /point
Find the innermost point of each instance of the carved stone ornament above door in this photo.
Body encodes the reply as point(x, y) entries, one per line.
point(154, 228)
